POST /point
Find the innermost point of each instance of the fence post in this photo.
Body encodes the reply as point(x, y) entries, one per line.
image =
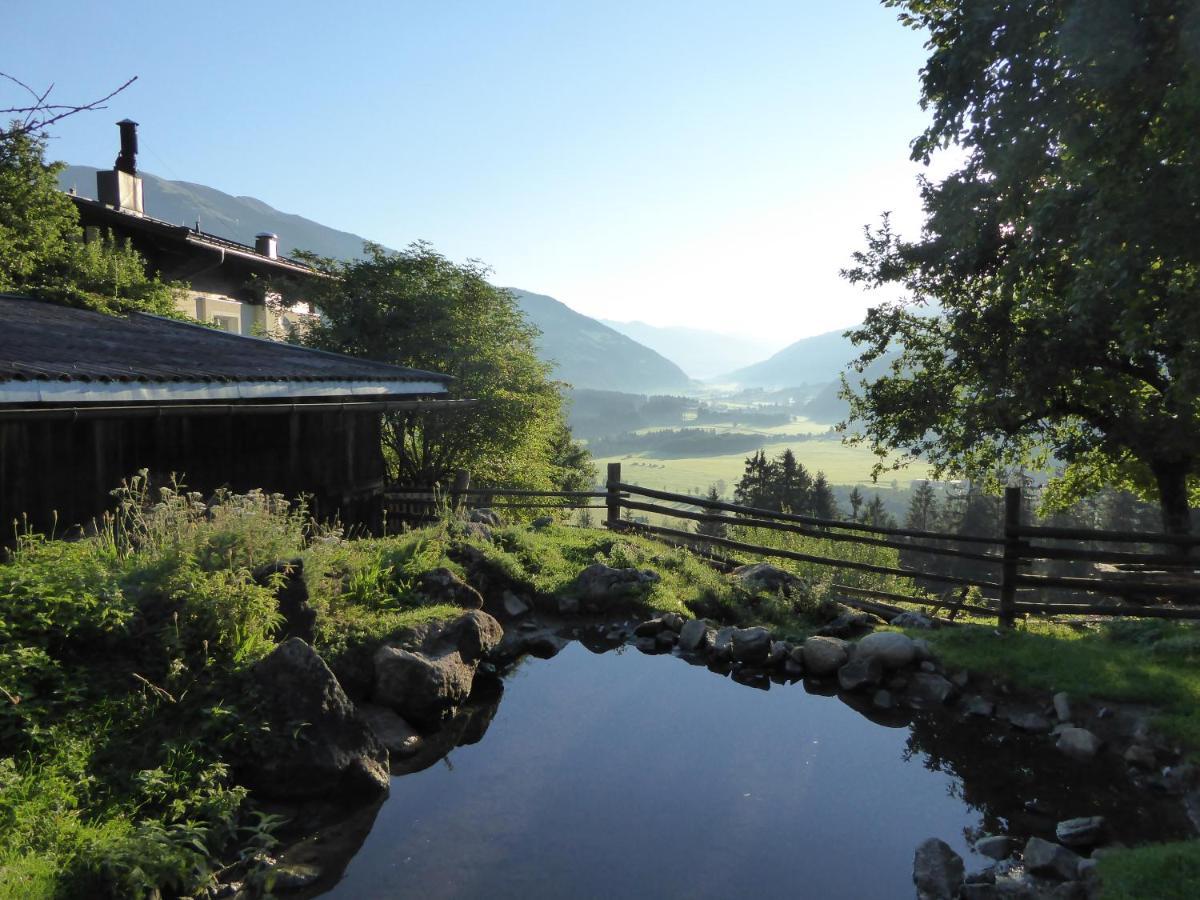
point(1012, 553)
point(462, 482)
point(613, 500)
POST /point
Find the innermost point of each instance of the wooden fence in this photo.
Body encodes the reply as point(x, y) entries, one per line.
point(1172, 573)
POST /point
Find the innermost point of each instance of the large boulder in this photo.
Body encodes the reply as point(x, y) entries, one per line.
point(317, 744)
point(928, 690)
point(441, 585)
point(760, 577)
point(1050, 860)
point(937, 871)
point(860, 672)
point(474, 635)
point(485, 515)
point(1078, 743)
point(892, 649)
point(400, 738)
point(751, 645)
point(696, 636)
point(824, 655)
point(599, 586)
point(421, 688)
point(1087, 831)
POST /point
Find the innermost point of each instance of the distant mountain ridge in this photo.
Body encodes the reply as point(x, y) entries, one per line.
point(812, 360)
point(701, 353)
point(589, 354)
point(585, 353)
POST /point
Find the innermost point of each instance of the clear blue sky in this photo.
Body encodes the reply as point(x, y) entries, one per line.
point(699, 163)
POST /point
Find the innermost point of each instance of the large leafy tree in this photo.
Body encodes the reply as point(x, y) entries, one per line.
point(1050, 310)
point(417, 308)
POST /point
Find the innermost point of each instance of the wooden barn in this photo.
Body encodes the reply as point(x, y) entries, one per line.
point(88, 399)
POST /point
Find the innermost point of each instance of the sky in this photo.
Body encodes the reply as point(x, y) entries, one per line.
point(707, 164)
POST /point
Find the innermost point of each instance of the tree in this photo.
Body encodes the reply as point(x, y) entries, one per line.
point(711, 529)
point(824, 503)
point(416, 308)
point(922, 508)
point(1052, 308)
point(756, 485)
point(856, 502)
point(876, 514)
point(38, 113)
point(41, 247)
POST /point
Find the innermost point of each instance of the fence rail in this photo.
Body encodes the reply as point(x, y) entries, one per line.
point(1010, 554)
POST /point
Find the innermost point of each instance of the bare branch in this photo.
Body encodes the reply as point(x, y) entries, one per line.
point(42, 114)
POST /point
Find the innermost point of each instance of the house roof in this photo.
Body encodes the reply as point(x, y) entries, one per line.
point(95, 212)
point(55, 353)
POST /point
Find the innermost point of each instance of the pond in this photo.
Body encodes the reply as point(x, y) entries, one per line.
point(619, 774)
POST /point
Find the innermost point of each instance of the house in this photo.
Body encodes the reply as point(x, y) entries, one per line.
point(228, 280)
point(88, 399)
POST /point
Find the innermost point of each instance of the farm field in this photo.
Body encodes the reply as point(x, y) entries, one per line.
point(842, 465)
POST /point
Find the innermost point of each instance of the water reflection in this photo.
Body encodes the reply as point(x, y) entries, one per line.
point(628, 775)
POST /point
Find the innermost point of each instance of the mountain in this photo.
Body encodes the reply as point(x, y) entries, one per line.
point(588, 354)
point(585, 352)
point(702, 354)
point(812, 360)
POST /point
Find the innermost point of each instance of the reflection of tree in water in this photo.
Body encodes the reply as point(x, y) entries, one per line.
point(997, 770)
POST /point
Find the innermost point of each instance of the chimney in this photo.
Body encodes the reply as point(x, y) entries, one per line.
point(267, 244)
point(122, 188)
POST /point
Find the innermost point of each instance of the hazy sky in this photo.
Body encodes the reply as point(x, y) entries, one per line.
point(696, 163)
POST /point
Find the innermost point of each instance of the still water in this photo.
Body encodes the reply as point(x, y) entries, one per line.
point(626, 775)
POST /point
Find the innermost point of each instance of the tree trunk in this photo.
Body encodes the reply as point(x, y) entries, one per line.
point(1173, 496)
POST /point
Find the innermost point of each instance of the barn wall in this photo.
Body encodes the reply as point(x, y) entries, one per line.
point(70, 467)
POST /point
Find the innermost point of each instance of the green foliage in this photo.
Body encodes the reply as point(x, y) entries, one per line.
point(41, 248)
point(1162, 871)
point(1051, 301)
point(417, 308)
point(1112, 661)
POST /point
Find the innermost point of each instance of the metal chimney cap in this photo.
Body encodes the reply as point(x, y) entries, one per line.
point(127, 122)
point(267, 234)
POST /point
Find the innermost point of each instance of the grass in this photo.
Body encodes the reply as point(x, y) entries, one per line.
point(1152, 662)
point(1159, 871)
point(842, 465)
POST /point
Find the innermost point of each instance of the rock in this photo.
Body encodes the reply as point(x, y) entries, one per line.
point(673, 621)
point(1087, 831)
point(994, 846)
point(978, 891)
point(928, 665)
point(847, 625)
point(649, 628)
point(1030, 722)
point(1078, 743)
point(514, 605)
point(543, 644)
point(477, 530)
point(928, 690)
point(912, 620)
point(860, 671)
point(1178, 779)
point(293, 876)
point(1050, 859)
point(923, 649)
point(485, 516)
point(600, 586)
point(1141, 757)
point(422, 689)
point(793, 669)
point(646, 644)
point(695, 636)
point(443, 586)
point(883, 700)
point(979, 706)
point(400, 738)
point(760, 577)
point(937, 871)
point(1088, 871)
point(474, 635)
point(542, 522)
point(568, 605)
point(318, 744)
point(892, 649)
point(751, 645)
point(722, 649)
point(777, 654)
point(1062, 706)
point(824, 655)
point(961, 679)
point(666, 638)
